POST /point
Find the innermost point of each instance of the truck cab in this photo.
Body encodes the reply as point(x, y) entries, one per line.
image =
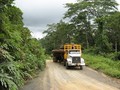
point(74, 59)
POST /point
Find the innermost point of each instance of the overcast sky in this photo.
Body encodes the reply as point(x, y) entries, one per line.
point(38, 13)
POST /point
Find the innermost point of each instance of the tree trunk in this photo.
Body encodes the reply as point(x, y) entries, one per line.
point(116, 48)
point(87, 42)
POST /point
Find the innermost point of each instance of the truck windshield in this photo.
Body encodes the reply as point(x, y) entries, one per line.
point(74, 52)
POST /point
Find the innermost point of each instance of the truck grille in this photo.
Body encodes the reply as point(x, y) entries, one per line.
point(76, 60)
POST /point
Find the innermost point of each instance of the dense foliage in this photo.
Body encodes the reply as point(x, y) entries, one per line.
point(92, 23)
point(20, 54)
point(102, 64)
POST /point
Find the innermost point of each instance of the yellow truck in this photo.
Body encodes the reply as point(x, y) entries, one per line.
point(70, 54)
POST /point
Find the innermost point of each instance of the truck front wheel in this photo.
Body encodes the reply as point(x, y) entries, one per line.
point(81, 67)
point(67, 67)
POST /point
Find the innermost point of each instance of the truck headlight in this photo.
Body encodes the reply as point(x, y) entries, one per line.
point(70, 61)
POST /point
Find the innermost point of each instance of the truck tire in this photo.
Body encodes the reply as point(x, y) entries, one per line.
point(54, 60)
point(67, 67)
point(64, 63)
point(81, 67)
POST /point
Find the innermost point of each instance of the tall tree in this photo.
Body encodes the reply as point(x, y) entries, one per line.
point(113, 27)
point(89, 13)
point(57, 35)
point(20, 54)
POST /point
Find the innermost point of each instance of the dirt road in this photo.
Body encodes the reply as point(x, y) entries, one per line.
point(56, 77)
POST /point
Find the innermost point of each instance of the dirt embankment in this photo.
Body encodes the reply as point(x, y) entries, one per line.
point(56, 77)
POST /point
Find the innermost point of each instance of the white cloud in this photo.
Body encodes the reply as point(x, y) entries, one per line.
point(37, 35)
point(38, 13)
point(36, 32)
point(118, 1)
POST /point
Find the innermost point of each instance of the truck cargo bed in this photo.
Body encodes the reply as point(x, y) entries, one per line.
point(58, 51)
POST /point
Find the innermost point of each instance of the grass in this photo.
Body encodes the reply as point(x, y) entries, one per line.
point(105, 65)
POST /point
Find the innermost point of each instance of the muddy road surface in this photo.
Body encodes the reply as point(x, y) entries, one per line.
point(57, 77)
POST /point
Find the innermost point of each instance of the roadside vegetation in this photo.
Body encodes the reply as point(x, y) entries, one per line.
point(21, 56)
point(93, 24)
point(102, 64)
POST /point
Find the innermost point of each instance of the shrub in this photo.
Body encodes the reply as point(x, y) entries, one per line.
point(10, 76)
point(113, 56)
point(105, 65)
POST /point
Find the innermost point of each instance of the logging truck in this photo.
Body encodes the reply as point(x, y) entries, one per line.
point(70, 54)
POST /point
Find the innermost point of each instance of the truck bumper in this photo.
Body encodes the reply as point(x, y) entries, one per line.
point(76, 64)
